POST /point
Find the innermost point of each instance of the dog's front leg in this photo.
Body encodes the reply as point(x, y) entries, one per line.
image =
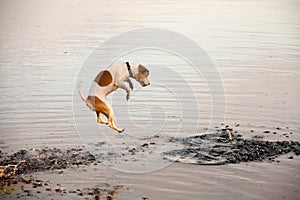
point(130, 83)
point(124, 87)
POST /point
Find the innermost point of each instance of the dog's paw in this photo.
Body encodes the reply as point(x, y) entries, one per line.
point(122, 130)
point(128, 96)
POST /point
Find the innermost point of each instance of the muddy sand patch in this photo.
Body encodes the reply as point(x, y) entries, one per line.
point(16, 171)
point(222, 148)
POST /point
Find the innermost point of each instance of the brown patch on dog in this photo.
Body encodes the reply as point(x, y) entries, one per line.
point(104, 78)
point(99, 105)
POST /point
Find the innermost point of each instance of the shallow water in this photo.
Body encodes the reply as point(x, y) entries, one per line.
point(255, 46)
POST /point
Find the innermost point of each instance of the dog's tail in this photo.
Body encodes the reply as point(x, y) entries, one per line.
point(80, 93)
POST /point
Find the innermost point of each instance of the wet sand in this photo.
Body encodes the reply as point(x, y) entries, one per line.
point(23, 173)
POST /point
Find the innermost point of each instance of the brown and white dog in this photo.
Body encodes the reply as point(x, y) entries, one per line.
point(108, 81)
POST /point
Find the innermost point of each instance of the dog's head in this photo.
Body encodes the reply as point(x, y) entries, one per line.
point(142, 75)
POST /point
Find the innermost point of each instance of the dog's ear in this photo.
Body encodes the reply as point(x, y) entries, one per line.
point(143, 69)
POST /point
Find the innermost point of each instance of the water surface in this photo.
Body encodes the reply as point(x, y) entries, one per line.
point(255, 46)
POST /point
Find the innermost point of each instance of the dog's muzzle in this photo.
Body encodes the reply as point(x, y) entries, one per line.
point(144, 84)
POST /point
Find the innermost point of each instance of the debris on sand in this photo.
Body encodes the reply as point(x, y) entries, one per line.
point(17, 168)
point(221, 148)
point(25, 162)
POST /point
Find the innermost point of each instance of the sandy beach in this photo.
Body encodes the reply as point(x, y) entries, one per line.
point(176, 143)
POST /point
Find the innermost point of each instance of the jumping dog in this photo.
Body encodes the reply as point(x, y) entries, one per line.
point(108, 81)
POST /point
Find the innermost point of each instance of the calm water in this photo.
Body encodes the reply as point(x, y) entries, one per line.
point(255, 46)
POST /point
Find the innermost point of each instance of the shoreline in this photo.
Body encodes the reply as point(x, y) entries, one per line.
point(20, 168)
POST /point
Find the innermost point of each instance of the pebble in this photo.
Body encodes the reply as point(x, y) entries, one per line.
point(145, 145)
point(258, 136)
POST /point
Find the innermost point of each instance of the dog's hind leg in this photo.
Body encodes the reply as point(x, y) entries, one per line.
point(108, 112)
point(99, 118)
point(112, 124)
